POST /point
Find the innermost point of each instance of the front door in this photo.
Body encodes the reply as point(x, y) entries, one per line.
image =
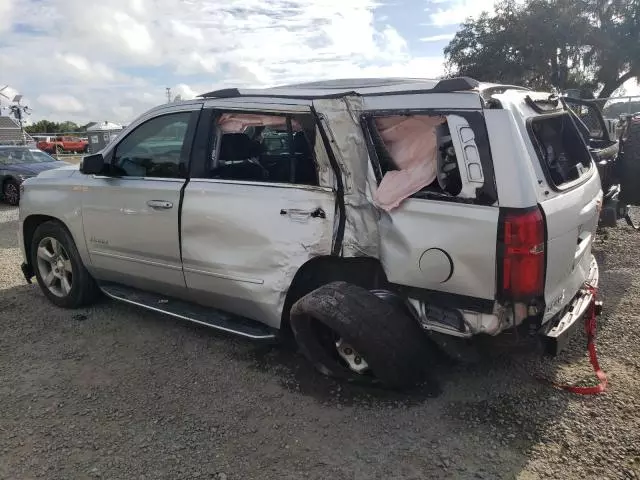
point(131, 216)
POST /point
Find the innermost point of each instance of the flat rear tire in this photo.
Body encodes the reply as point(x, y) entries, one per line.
point(349, 333)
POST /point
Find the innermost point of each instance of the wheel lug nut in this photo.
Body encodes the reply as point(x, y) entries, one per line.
point(348, 351)
point(357, 360)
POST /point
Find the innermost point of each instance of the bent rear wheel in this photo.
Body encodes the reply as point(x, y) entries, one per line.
point(349, 333)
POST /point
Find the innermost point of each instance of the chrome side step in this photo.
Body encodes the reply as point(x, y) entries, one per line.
point(191, 312)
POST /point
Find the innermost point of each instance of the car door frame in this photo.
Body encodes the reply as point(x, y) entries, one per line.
point(176, 285)
point(262, 306)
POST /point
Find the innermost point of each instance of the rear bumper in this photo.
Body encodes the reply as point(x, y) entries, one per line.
point(556, 333)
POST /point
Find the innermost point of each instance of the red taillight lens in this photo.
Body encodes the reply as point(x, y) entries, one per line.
point(523, 256)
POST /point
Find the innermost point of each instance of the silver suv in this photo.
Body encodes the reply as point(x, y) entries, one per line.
point(370, 219)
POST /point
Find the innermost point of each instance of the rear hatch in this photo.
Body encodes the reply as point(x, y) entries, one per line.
point(569, 192)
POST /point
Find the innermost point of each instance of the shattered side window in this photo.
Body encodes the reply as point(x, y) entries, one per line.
point(415, 154)
point(561, 150)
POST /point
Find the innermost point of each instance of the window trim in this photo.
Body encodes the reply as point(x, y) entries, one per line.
point(185, 150)
point(299, 186)
point(543, 164)
point(210, 115)
point(486, 195)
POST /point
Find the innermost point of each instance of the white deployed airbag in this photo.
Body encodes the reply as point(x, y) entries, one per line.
point(412, 142)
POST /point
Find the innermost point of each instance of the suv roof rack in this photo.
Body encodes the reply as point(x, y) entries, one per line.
point(343, 87)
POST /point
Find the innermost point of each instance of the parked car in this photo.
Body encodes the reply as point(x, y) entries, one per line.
point(617, 158)
point(62, 145)
point(17, 163)
point(385, 219)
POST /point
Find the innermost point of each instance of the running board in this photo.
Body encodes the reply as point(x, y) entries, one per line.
point(191, 312)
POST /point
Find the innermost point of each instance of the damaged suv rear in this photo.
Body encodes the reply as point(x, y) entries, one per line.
point(369, 218)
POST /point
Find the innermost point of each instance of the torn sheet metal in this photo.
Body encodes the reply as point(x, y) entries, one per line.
point(326, 175)
point(361, 236)
point(412, 143)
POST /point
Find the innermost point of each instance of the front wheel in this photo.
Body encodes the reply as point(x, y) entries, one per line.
point(59, 270)
point(349, 333)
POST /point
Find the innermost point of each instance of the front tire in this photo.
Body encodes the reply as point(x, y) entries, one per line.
point(59, 270)
point(349, 333)
point(11, 192)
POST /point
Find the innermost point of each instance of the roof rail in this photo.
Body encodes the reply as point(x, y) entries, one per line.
point(222, 93)
point(446, 85)
point(455, 84)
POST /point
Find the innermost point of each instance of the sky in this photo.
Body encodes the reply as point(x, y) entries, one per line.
point(84, 60)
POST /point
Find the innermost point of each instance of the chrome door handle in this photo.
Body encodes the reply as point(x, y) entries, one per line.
point(160, 204)
point(299, 214)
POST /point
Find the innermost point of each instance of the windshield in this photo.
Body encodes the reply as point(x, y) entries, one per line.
point(39, 156)
point(12, 156)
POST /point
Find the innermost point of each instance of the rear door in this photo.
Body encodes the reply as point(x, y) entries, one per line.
point(250, 221)
point(443, 237)
point(570, 194)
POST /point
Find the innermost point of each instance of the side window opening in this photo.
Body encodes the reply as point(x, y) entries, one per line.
point(560, 148)
point(154, 149)
point(424, 156)
point(264, 148)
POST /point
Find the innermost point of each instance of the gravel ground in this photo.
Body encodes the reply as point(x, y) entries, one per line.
point(115, 392)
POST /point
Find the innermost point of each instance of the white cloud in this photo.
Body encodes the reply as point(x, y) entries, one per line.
point(455, 12)
point(61, 103)
point(438, 38)
point(6, 11)
point(115, 57)
point(185, 91)
point(82, 68)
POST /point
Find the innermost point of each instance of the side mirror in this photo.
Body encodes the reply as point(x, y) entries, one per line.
point(92, 164)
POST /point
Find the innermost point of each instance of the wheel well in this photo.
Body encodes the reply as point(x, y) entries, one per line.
point(7, 180)
point(29, 227)
point(366, 272)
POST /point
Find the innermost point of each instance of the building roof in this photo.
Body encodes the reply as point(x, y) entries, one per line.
point(98, 127)
point(10, 132)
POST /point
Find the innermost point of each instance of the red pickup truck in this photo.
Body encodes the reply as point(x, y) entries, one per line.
point(63, 145)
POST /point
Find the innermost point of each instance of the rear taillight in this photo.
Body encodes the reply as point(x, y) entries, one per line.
point(521, 255)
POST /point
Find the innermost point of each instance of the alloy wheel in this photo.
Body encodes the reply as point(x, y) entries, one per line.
point(55, 267)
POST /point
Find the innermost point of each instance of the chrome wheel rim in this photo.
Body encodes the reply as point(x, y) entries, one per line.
point(55, 267)
point(11, 193)
point(354, 360)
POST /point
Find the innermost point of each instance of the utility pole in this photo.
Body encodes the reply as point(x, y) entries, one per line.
point(18, 112)
point(168, 94)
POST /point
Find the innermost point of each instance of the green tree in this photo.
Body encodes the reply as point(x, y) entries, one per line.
point(587, 44)
point(47, 126)
point(66, 127)
point(43, 126)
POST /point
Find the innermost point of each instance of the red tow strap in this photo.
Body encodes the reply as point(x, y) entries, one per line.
point(590, 330)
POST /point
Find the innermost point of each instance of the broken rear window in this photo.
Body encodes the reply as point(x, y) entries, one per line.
point(561, 149)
